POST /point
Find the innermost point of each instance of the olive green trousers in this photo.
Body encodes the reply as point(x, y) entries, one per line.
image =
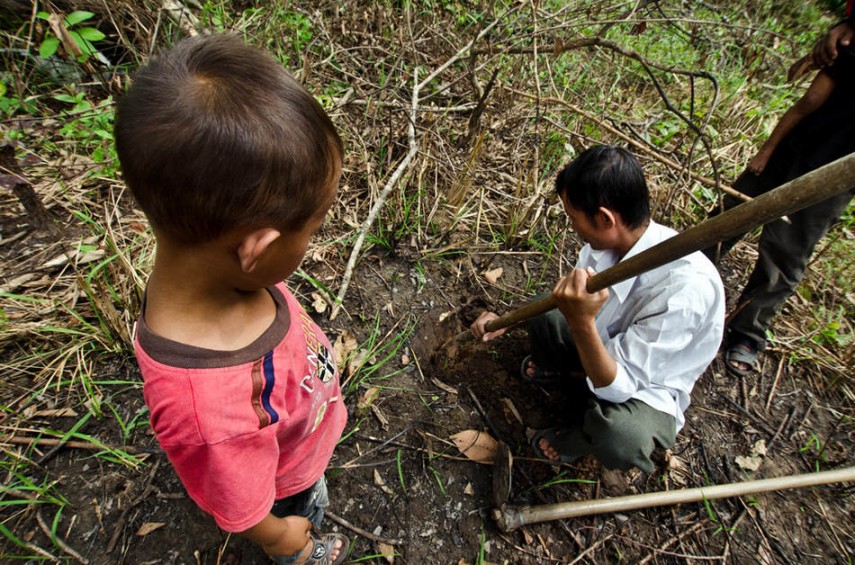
point(620, 436)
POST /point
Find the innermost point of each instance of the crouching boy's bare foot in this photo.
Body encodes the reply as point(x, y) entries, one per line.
point(555, 444)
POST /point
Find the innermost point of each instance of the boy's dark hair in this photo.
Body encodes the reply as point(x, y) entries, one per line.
point(607, 176)
point(215, 135)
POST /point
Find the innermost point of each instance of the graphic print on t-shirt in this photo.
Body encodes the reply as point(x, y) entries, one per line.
point(320, 366)
point(321, 360)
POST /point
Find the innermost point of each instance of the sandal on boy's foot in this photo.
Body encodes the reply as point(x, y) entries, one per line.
point(322, 550)
point(740, 351)
point(557, 442)
point(541, 376)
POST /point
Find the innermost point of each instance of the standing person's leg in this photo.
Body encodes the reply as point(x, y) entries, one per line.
point(784, 251)
point(309, 503)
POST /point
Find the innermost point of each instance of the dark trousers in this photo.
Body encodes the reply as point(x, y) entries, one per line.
point(309, 504)
point(620, 436)
point(784, 250)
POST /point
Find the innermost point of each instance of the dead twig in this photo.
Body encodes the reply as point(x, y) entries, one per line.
point(671, 541)
point(56, 540)
point(403, 165)
point(359, 531)
point(73, 444)
point(775, 383)
point(182, 16)
point(756, 419)
point(639, 146)
point(781, 428)
point(591, 549)
point(123, 519)
point(484, 415)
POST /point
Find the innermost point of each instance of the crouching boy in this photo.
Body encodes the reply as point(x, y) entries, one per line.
point(235, 165)
point(640, 345)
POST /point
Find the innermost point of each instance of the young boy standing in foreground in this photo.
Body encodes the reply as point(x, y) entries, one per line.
point(235, 165)
point(640, 345)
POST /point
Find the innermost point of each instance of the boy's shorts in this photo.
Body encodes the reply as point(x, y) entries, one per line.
point(309, 504)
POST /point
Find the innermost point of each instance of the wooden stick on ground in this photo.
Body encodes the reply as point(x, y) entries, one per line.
point(359, 531)
point(510, 518)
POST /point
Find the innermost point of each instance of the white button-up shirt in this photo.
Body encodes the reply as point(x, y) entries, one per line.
point(663, 327)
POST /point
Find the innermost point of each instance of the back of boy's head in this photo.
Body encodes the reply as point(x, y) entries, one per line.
point(609, 177)
point(214, 135)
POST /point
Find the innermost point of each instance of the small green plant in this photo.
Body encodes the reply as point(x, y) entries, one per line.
point(400, 465)
point(377, 351)
point(428, 401)
point(562, 479)
point(22, 491)
point(438, 478)
point(713, 516)
point(82, 36)
point(11, 105)
point(91, 126)
point(830, 335)
point(816, 448)
point(482, 546)
point(139, 420)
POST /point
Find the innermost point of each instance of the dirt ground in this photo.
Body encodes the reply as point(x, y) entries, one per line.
point(398, 486)
point(397, 476)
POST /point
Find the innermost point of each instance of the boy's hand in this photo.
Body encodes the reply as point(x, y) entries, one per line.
point(759, 161)
point(296, 538)
point(479, 330)
point(577, 304)
point(825, 51)
point(282, 536)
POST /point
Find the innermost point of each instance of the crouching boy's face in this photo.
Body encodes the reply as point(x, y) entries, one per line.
point(584, 226)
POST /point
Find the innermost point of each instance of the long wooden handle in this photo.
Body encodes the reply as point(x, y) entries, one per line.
point(510, 518)
point(807, 190)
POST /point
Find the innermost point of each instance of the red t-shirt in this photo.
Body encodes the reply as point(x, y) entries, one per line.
point(244, 428)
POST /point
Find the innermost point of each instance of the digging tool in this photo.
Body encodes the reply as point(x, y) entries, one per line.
point(502, 466)
point(807, 190)
point(510, 518)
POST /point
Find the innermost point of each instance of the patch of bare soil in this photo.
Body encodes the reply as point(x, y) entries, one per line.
point(397, 477)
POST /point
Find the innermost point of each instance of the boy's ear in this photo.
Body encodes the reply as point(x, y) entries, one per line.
point(606, 218)
point(253, 245)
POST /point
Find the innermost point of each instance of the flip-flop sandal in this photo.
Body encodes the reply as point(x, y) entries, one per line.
point(322, 550)
point(542, 377)
point(553, 436)
point(740, 351)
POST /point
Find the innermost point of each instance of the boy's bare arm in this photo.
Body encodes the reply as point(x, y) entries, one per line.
point(580, 310)
point(281, 536)
point(816, 95)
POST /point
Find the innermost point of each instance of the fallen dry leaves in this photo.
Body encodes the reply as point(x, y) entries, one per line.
point(477, 446)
